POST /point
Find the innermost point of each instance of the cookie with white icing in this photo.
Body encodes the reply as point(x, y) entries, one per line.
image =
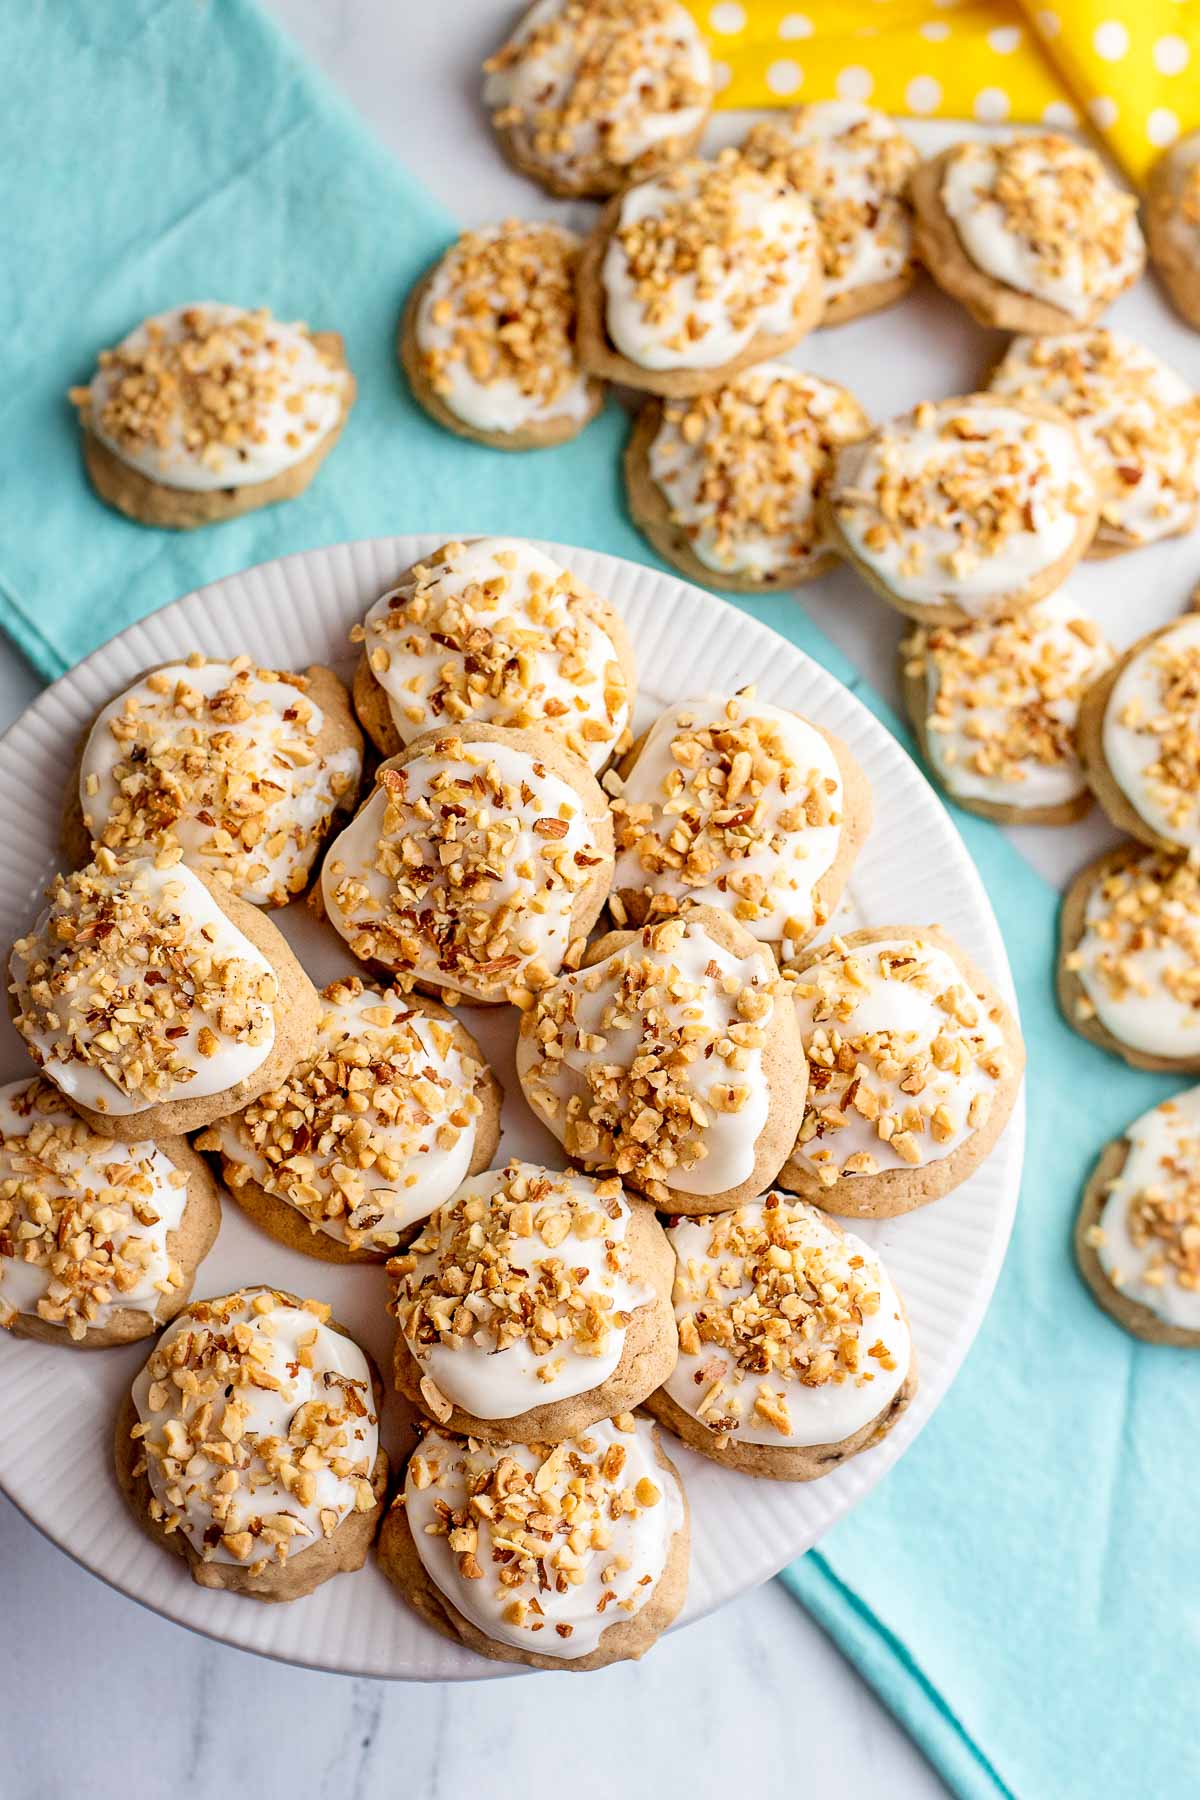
point(1137, 1233)
point(589, 95)
point(690, 278)
point(914, 1066)
point(478, 865)
point(242, 769)
point(995, 707)
point(249, 1445)
point(487, 339)
point(794, 1348)
point(726, 485)
point(532, 1305)
point(1139, 421)
point(566, 1557)
point(1139, 737)
point(740, 805)
point(388, 1110)
point(495, 632)
point(1129, 958)
point(154, 999)
point(965, 508)
point(99, 1241)
point(1173, 224)
point(853, 166)
point(210, 411)
point(1030, 234)
point(673, 1058)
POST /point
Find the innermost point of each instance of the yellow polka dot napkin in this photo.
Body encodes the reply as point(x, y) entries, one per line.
point(1128, 67)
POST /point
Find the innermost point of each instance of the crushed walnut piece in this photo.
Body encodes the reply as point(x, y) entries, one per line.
point(1141, 935)
point(1156, 700)
point(1164, 1223)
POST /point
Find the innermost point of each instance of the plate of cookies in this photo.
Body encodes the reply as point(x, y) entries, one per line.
point(513, 1111)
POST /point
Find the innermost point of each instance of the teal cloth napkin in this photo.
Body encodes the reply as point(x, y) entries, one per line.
point(1021, 1590)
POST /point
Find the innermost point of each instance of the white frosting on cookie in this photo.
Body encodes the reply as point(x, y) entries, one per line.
point(1039, 214)
point(968, 501)
point(741, 468)
point(220, 759)
point(904, 1060)
point(496, 632)
point(1138, 955)
point(257, 1426)
point(702, 260)
point(84, 1220)
point(478, 1512)
point(651, 1061)
point(791, 1333)
point(135, 988)
point(209, 396)
point(1148, 1234)
point(519, 1291)
point(1151, 733)
point(735, 804)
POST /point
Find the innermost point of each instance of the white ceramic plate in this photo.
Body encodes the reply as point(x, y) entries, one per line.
point(58, 1408)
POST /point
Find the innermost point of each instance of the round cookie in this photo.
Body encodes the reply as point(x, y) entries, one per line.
point(915, 1064)
point(99, 1241)
point(853, 166)
point(672, 1057)
point(794, 1347)
point(1029, 234)
point(1137, 1234)
point(478, 865)
point(726, 485)
point(995, 706)
point(388, 1110)
point(743, 806)
point(209, 411)
point(1139, 422)
point(1173, 224)
point(291, 1403)
point(155, 1000)
point(965, 508)
point(487, 339)
point(1129, 958)
point(649, 319)
point(533, 1305)
point(589, 95)
point(1139, 737)
point(570, 1557)
point(494, 631)
point(242, 769)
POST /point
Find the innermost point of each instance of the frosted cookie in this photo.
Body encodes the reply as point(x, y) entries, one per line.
point(494, 632)
point(1139, 422)
point(965, 508)
point(995, 706)
point(1129, 963)
point(739, 805)
point(249, 1445)
point(853, 166)
point(1137, 1235)
point(99, 1241)
point(1173, 224)
point(478, 865)
point(488, 338)
point(155, 1000)
point(1139, 737)
point(209, 411)
point(533, 1305)
point(1030, 235)
point(240, 768)
point(690, 278)
point(794, 1348)
point(673, 1058)
point(570, 1557)
point(726, 485)
point(914, 1066)
point(390, 1107)
point(589, 95)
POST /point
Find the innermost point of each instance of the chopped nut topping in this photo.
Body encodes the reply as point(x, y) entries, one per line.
point(1142, 934)
point(1156, 700)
